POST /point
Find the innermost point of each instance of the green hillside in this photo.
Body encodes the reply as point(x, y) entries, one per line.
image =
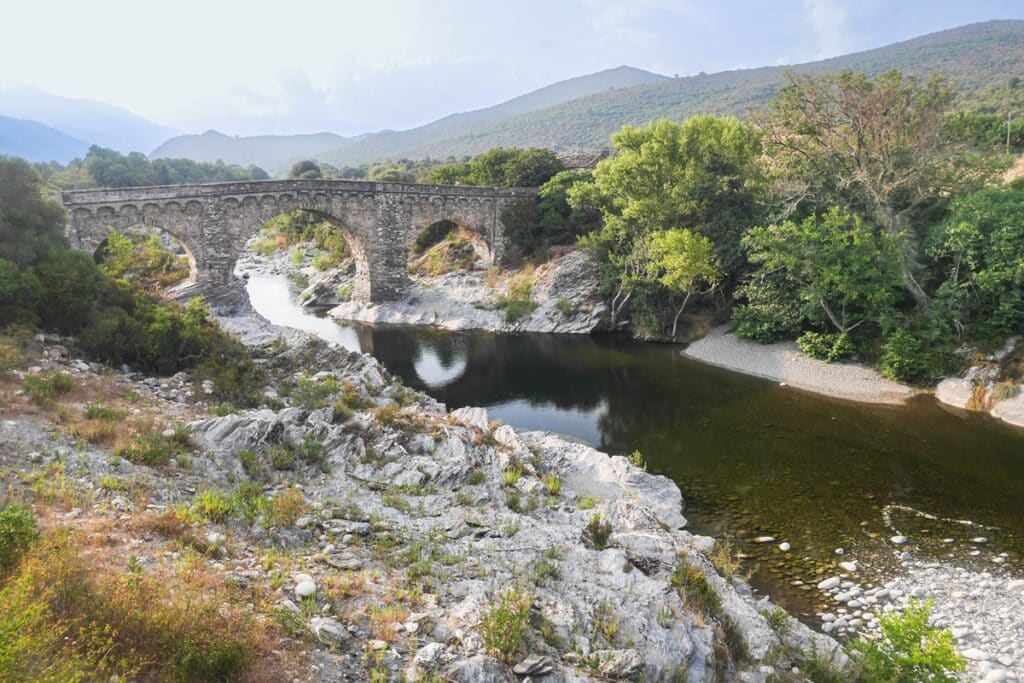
point(976, 56)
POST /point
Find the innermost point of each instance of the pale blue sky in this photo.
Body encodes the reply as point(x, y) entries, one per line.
point(310, 65)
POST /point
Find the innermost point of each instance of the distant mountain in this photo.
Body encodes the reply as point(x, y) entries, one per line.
point(273, 153)
point(33, 141)
point(975, 56)
point(397, 144)
point(96, 123)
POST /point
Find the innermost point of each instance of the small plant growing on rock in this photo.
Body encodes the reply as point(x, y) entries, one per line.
point(546, 567)
point(285, 508)
point(510, 475)
point(565, 307)
point(552, 483)
point(503, 625)
point(586, 502)
point(597, 532)
point(695, 590)
point(213, 504)
point(909, 649)
point(282, 457)
point(636, 459)
point(723, 556)
point(387, 415)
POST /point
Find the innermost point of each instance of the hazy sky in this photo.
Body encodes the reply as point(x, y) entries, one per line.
point(310, 65)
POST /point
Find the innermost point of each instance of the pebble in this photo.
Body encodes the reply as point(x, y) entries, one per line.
point(899, 540)
point(829, 584)
point(848, 566)
point(785, 547)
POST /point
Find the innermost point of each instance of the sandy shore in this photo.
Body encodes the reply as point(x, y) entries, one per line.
point(784, 362)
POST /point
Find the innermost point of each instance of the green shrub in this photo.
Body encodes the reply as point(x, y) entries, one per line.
point(297, 255)
point(909, 650)
point(10, 354)
point(282, 457)
point(313, 394)
point(151, 449)
point(696, 591)
point(213, 504)
point(18, 531)
point(907, 357)
point(324, 260)
point(311, 451)
point(824, 346)
point(503, 626)
point(46, 388)
point(98, 411)
point(597, 532)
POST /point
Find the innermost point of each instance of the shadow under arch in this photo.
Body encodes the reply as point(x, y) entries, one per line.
point(435, 232)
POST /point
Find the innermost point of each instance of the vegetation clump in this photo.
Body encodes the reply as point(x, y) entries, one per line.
point(503, 626)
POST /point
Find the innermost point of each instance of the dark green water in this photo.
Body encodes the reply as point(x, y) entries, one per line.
point(751, 458)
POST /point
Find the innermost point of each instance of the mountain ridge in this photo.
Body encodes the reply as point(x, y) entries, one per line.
point(34, 141)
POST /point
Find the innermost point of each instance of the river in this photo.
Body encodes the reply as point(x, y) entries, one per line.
point(752, 459)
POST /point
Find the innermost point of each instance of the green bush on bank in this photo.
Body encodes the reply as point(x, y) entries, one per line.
point(43, 282)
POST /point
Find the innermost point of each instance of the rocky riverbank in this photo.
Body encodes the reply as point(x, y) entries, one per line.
point(558, 296)
point(399, 539)
point(784, 362)
point(991, 385)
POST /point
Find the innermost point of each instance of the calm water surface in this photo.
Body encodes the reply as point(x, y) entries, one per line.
point(751, 458)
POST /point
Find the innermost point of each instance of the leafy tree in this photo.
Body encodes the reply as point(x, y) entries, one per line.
point(875, 146)
point(501, 167)
point(30, 224)
point(305, 169)
point(684, 263)
point(390, 173)
point(979, 249)
point(702, 173)
point(549, 221)
point(834, 262)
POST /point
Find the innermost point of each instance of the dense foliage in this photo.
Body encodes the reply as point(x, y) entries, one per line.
point(501, 167)
point(103, 167)
point(43, 282)
point(702, 176)
point(861, 216)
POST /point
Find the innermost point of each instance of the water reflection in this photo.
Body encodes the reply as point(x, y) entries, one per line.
point(750, 457)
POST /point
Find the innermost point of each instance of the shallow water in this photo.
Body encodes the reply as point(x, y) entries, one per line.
point(752, 458)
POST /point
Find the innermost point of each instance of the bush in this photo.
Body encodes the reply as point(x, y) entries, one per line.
point(285, 508)
point(907, 357)
point(213, 504)
point(18, 531)
point(503, 625)
point(151, 450)
point(824, 346)
point(909, 650)
point(47, 388)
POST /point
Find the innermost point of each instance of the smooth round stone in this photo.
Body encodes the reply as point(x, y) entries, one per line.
point(829, 583)
point(848, 566)
point(979, 539)
point(899, 540)
point(305, 588)
point(840, 551)
point(996, 675)
point(785, 547)
point(764, 539)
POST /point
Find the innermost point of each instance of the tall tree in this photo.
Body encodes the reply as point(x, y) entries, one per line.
point(876, 146)
point(683, 262)
point(701, 173)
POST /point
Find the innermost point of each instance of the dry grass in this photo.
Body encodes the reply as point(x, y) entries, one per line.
point(80, 610)
point(386, 621)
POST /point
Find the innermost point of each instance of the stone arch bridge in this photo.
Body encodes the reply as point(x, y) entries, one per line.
point(213, 221)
